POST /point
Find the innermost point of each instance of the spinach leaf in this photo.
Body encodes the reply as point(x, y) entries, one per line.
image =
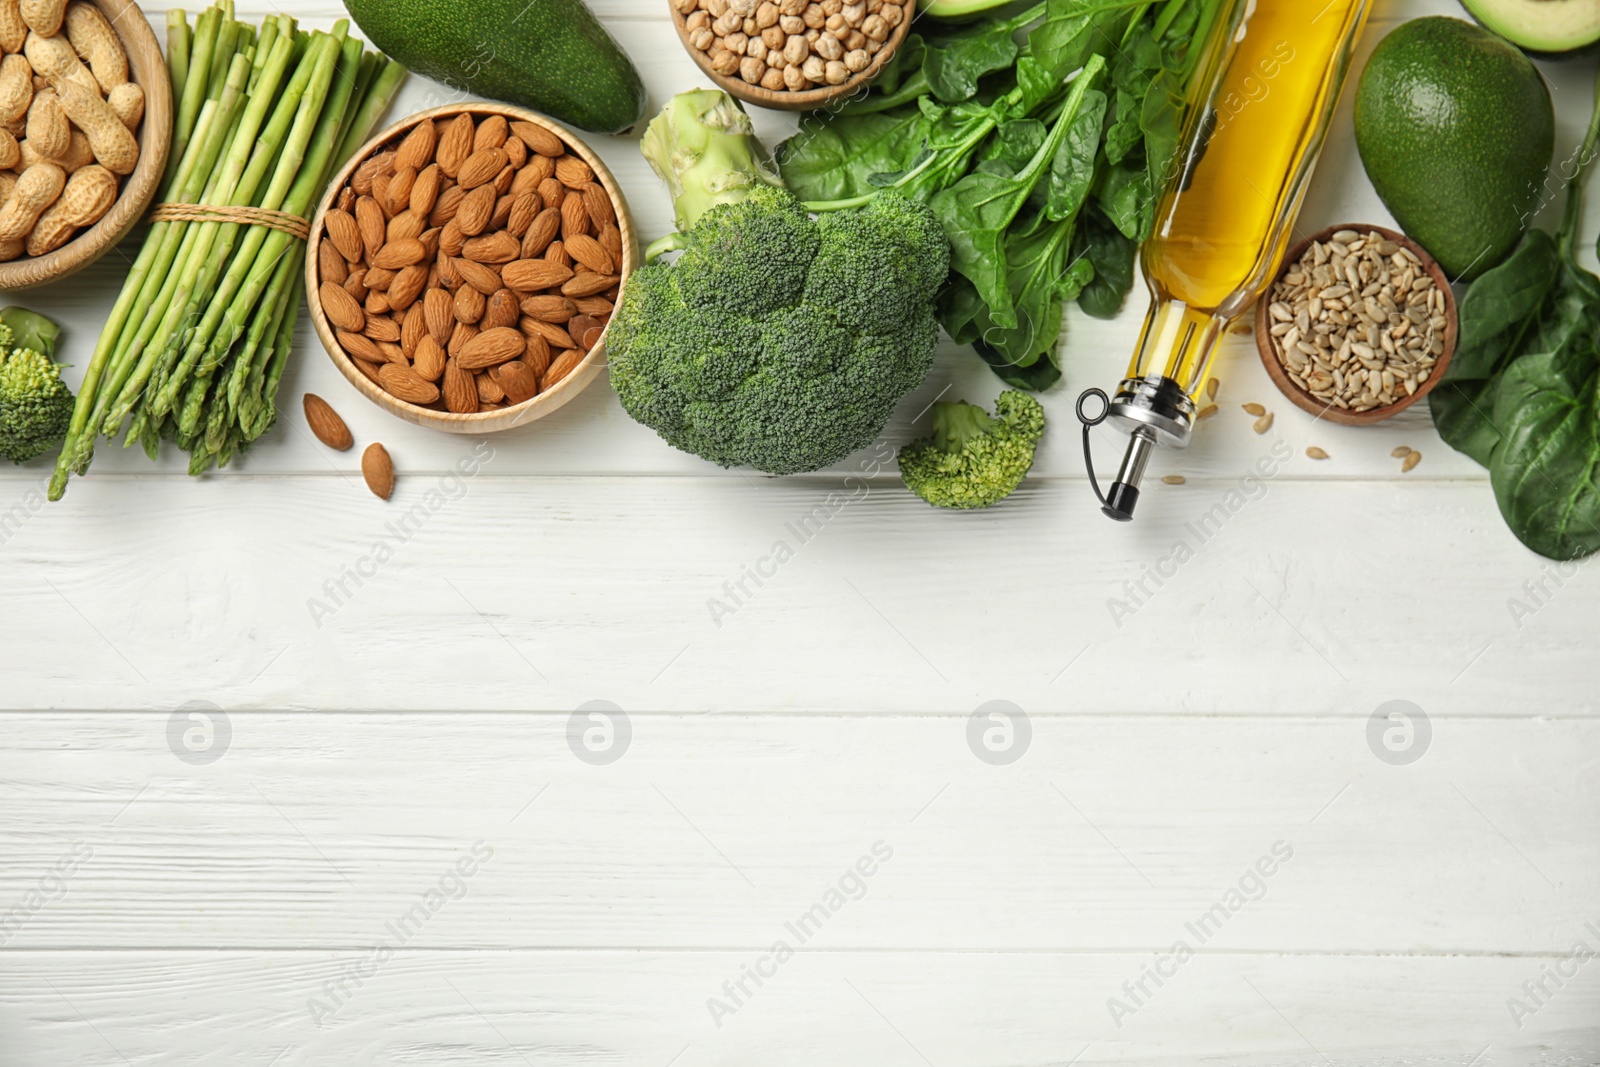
point(953, 64)
point(978, 210)
point(1124, 194)
point(836, 159)
point(1072, 170)
point(1015, 142)
point(1546, 473)
point(1112, 256)
point(1037, 377)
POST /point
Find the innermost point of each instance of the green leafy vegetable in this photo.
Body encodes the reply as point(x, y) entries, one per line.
point(1522, 395)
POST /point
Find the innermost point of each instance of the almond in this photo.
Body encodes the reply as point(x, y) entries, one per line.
point(573, 172)
point(528, 178)
point(455, 145)
point(341, 308)
point(397, 197)
point(611, 241)
point(377, 303)
point(416, 151)
point(361, 347)
point(331, 266)
point(517, 379)
point(588, 284)
point(372, 223)
point(489, 391)
point(481, 276)
point(430, 240)
point(367, 173)
point(492, 133)
point(463, 333)
point(532, 275)
point(470, 304)
point(449, 276)
point(429, 360)
point(557, 254)
point(538, 354)
point(598, 203)
point(503, 180)
point(552, 192)
point(564, 365)
point(407, 286)
point(498, 247)
point(523, 210)
point(574, 216)
point(356, 283)
point(382, 328)
point(502, 310)
point(378, 469)
point(379, 278)
point(476, 211)
point(413, 330)
point(539, 139)
point(440, 313)
point(403, 383)
point(552, 334)
point(326, 424)
point(425, 190)
point(597, 306)
point(445, 207)
point(482, 168)
point(451, 239)
point(369, 371)
point(587, 250)
point(502, 212)
point(380, 195)
point(549, 308)
point(491, 347)
point(541, 231)
point(398, 254)
point(460, 391)
point(405, 226)
point(344, 233)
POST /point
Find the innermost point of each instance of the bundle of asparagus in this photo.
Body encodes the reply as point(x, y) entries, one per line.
point(198, 341)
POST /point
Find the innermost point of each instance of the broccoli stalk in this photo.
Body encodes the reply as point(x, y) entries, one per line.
point(974, 460)
point(35, 404)
point(704, 147)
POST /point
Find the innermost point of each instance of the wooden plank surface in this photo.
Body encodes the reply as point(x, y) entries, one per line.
point(1186, 713)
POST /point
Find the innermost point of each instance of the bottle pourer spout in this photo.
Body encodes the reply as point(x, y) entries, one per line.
point(1124, 495)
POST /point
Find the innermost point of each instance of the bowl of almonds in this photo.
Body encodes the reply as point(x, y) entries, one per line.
point(85, 127)
point(463, 266)
point(1360, 324)
point(795, 55)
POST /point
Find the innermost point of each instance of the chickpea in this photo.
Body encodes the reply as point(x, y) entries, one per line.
point(811, 37)
point(750, 28)
point(875, 28)
point(697, 20)
point(832, 7)
point(701, 39)
point(728, 23)
point(854, 13)
point(775, 60)
point(836, 25)
point(828, 47)
point(791, 7)
point(774, 38)
point(836, 73)
point(773, 80)
point(793, 79)
point(855, 39)
point(683, 7)
point(874, 6)
point(716, 8)
point(791, 25)
point(751, 69)
point(813, 69)
point(892, 15)
point(742, 8)
point(857, 60)
point(735, 42)
point(796, 49)
point(814, 17)
point(874, 46)
point(756, 48)
point(724, 62)
point(766, 14)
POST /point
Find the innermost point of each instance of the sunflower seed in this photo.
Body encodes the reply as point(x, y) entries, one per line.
point(1316, 453)
point(1264, 423)
point(1174, 479)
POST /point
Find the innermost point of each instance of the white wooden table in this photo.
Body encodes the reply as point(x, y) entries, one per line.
point(387, 849)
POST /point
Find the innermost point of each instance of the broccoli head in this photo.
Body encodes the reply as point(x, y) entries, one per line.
point(35, 404)
point(775, 340)
point(974, 460)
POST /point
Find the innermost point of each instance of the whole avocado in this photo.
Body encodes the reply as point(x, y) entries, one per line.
point(1456, 128)
point(550, 55)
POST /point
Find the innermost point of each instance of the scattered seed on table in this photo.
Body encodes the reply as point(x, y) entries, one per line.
point(1211, 389)
point(1264, 423)
point(1316, 453)
point(1402, 452)
point(1174, 479)
point(1206, 412)
point(1411, 461)
point(1254, 409)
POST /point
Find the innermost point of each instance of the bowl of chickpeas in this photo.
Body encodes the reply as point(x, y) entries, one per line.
point(794, 55)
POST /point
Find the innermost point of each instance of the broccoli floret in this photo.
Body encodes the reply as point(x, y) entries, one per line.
point(35, 404)
point(775, 340)
point(974, 460)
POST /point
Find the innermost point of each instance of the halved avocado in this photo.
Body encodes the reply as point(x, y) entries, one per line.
point(1548, 26)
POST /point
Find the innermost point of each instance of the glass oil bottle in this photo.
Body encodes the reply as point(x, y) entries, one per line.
point(1258, 112)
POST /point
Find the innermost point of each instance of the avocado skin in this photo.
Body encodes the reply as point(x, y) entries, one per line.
point(549, 55)
point(1456, 129)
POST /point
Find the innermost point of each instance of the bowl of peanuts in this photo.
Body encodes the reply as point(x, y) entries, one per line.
point(793, 55)
point(85, 128)
point(463, 266)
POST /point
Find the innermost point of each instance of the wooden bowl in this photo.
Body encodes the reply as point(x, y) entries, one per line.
point(806, 100)
point(148, 69)
point(1320, 408)
point(536, 407)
